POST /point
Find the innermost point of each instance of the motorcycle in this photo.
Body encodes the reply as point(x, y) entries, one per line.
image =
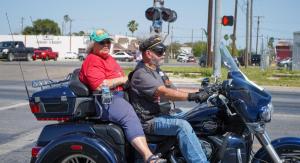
point(237, 111)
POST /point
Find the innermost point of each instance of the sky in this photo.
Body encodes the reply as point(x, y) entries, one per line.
point(279, 19)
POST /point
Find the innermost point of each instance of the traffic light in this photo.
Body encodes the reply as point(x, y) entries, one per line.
point(168, 15)
point(152, 13)
point(155, 13)
point(227, 20)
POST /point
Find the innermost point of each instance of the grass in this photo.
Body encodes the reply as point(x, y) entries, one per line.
point(271, 77)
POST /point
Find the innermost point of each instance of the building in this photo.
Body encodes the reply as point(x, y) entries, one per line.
point(296, 51)
point(78, 44)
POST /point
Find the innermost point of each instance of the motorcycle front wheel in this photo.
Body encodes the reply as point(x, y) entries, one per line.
point(287, 153)
point(290, 155)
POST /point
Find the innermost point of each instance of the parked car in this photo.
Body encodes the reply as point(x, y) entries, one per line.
point(285, 63)
point(13, 50)
point(82, 56)
point(123, 56)
point(70, 55)
point(191, 59)
point(255, 59)
point(182, 57)
point(45, 53)
point(202, 60)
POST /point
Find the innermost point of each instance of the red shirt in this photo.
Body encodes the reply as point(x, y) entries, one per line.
point(95, 69)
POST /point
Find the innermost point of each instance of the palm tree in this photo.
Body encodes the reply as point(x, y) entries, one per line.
point(132, 26)
point(66, 20)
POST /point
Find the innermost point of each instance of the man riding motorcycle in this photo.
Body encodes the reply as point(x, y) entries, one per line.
point(150, 92)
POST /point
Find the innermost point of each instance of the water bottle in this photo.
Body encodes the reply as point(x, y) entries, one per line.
point(106, 94)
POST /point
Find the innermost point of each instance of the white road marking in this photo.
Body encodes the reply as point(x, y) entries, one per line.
point(20, 141)
point(14, 106)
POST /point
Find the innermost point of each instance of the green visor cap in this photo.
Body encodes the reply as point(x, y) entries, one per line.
point(99, 36)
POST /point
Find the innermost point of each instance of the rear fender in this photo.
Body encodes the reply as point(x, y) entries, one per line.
point(278, 144)
point(86, 139)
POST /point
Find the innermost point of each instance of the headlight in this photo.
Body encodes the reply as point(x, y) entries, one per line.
point(266, 112)
point(5, 50)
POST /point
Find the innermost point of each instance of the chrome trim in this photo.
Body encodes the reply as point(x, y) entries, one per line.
point(264, 139)
point(239, 155)
point(256, 127)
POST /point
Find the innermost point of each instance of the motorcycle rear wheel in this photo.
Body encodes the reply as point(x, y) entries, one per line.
point(63, 154)
point(78, 158)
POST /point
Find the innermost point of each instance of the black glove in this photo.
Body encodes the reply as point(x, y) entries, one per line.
point(198, 96)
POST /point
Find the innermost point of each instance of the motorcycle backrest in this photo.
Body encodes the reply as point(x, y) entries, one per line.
point(80, 89)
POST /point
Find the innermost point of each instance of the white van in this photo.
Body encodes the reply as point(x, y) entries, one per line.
point(183, 57)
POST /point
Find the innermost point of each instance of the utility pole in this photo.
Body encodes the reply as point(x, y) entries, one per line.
point(234, 29)
point(251, 25)
point(257, 32)
point(209, 33)
point(202, 35)
point(171, 45)
point(71, 35)
point(217, 39)
point(62, 28)
point(192, 38)
point(22, 24)
point(248, 28)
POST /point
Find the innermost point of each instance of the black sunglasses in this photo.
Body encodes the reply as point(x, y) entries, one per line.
point(159, 50)
point(104, 42)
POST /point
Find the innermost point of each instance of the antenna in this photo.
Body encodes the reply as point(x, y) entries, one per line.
point(39, 46)
point(20, 66)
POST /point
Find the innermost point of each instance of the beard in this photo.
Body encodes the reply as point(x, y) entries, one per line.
point(156, 62)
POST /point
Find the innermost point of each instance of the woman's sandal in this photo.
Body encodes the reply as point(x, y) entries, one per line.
point(156, 158)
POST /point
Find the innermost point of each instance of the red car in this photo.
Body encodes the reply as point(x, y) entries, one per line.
point(44, 53)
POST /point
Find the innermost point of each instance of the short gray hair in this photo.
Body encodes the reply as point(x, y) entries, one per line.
point(90, 47)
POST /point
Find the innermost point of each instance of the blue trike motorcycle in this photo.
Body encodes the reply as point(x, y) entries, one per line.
point(234, 115)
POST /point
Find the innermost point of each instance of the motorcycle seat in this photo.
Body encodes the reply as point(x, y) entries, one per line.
point(80, 89)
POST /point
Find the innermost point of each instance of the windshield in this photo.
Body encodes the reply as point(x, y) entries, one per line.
point(43, 48)
point(231, 65)
point(227, 59)
point(5, 44)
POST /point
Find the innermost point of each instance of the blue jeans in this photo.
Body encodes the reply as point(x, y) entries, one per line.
point(189, 143)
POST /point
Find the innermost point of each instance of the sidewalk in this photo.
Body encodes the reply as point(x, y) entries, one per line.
point(195, 82)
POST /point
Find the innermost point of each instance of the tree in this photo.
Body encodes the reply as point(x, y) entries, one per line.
point(132, 26)
point(66, 20)
point(271, 42)
point(226, 38)
point(42, 26)
point(80, 33)
point(173, 48)
point(199, 48)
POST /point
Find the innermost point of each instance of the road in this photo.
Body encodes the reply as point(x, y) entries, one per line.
point(19, 128)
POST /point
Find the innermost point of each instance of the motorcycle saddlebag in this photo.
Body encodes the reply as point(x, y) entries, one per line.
point(61, 103)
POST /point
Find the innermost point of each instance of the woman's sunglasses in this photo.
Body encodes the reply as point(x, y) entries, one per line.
point(104, 42)
point(159, 50)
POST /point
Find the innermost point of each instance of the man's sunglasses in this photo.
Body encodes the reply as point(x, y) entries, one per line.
point(159, 50)
point(104, 42)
